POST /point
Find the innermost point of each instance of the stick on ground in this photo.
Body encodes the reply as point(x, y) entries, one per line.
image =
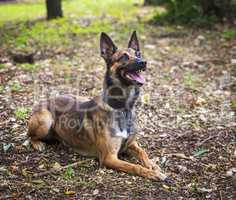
point(54, 171)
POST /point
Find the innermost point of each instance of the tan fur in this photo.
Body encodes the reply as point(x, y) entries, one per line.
point(93, 141)
point(54, 119)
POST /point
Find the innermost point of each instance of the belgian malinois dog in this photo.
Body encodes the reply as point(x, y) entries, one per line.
point(104, 126)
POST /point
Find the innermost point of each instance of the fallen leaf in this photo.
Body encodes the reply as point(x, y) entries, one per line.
point(95, 192)
point(14, 168)
point(165, 186)
point(145, 99)
point(56, 165)
point(70, 192)
point(163, 160)
point(200, 101)
point(200, 152)
point(24, 172)
point(55, 190)
point(42, 166)
point(38, 181)
point(182, 168)
point(26, 143)
point(231, 172)
point(7, 147)
point(204, 190)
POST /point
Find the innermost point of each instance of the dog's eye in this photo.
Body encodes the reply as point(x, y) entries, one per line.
point(124, 57)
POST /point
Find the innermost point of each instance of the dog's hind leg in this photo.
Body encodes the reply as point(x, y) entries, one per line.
point(39, 126)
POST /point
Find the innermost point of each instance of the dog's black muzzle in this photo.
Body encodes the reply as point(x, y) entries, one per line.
point(137, 65)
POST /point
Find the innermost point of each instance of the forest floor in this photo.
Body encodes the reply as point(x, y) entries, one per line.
point(186, 111)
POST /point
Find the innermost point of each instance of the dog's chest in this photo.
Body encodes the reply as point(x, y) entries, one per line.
point(123, 124)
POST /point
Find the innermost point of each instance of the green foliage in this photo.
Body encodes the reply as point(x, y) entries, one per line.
point(154, 2)
point(21, 112)
point(192, 187)
point(27, 66)
point(16, 86)
point(1, 66)
point(197, 12)
point(1, 88)
point(191, 81)
point(86, 183)
point(229, 34)
point(233, 104)
point(69, 173)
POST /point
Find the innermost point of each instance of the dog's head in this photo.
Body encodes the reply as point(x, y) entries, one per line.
point(123, 65)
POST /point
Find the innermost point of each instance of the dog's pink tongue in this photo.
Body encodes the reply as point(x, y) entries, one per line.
point(137, 77)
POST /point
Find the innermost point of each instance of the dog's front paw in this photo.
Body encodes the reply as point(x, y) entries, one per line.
point(152, 165)
point(148, 164)
point(38, 145)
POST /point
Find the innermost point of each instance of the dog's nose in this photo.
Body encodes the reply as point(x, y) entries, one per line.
point(141, 62)
point(144, 63)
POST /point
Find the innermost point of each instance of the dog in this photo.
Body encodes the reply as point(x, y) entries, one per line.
point(104, 126)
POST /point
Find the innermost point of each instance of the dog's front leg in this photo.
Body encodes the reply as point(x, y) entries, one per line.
point(111, 161)
point(139, 153)
point(135, 150)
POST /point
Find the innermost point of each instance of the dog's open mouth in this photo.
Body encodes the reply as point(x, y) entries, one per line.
point(131, 73)
point(135, 76)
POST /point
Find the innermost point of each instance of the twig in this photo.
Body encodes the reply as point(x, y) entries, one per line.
point(221, 198)
point(204, 141)
point(180, 155)
point(5, 122)
point(54, 171)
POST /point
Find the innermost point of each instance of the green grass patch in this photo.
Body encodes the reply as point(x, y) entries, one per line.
point(233, 104)
point(69, 173)
point(1, 66)
point(22, 29)
point(21, 11)
point(28, 66)
point(56, 33)
point(16, 87)
point(229, 34)
point(191, 81)
point(122, 9)
point(86, 183)
point(22, 112)
point(1, 88)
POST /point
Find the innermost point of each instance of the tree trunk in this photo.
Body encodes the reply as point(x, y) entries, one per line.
point(54, 9)
point(148, 2)
point(154, 2)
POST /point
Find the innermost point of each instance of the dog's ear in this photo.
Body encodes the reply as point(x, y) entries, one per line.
point(107, 47)
point(134, 43)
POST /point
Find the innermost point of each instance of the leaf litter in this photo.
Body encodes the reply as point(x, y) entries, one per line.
point(184, 113)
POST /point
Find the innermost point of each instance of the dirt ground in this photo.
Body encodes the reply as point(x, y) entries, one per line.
point(185, 114)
